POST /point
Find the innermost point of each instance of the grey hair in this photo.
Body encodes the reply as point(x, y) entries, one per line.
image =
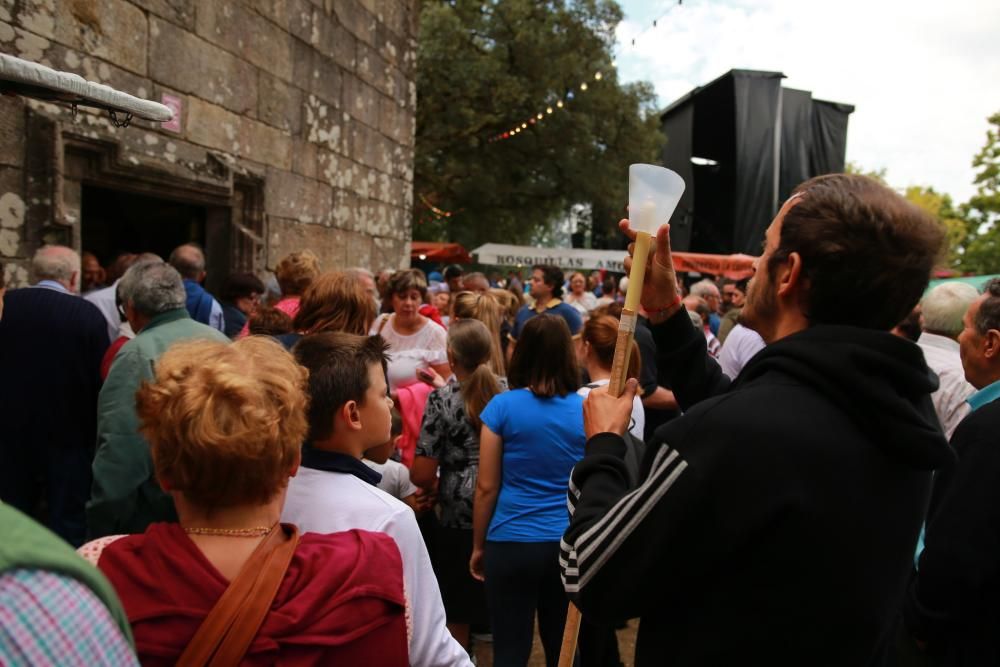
point(704, 288)
point(55, 262)
point(360, 271)
point(944, 308)
point(153, 287)
point(988, 316)
point(189, 260)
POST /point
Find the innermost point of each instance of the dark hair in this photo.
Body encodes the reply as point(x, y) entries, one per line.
point(338, 366)
point(988, 316)
point(551, 276)
point(608, 287)
point(867, 253)
point(453, 271)
point(269, 321)
point(910, 327)
point(407, 279)
point(240, 285)
point(544, 360)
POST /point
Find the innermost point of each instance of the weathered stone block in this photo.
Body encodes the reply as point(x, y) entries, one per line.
point(300, 19)
point(359, 250)
point(181, 60)
point(358, 20)
point(275, 11)
point(286, 236)
point(305, 159)
point(389, 254)
point(323, 125)
point(11, 131)
point(371, 68)
point(332, 39)
point(361, 101)
point(279, 104)
point(248, 35)
point(113, 30)
point(391, 46)
point(13, 211)
point(180, 12)
point(266, 144)
point(324, 80)
point(290, 196)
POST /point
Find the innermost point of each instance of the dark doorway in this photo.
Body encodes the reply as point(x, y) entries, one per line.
point(114, 222)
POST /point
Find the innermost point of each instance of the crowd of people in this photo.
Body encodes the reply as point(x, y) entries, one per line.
point(385, 468)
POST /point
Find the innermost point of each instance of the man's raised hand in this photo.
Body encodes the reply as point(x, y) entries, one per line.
point(659, 290)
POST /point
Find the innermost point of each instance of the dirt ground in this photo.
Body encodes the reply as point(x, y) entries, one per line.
point(626, 649)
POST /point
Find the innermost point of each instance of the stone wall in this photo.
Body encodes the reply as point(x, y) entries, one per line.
point(311, 102)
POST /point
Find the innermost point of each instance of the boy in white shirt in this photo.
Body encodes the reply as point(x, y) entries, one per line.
point(349, 413)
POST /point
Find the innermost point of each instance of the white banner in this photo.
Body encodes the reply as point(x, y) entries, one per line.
point(565, 258)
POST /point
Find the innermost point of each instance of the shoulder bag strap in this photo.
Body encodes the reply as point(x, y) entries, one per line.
point(381, 325)
point(227, 632)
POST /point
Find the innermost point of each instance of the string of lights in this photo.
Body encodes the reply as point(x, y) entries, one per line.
point(562, 103)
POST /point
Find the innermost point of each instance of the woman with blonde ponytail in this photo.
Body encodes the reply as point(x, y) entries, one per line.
point(449, 440)
point(484, 307)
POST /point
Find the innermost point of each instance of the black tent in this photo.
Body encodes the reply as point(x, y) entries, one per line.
point(742, 143)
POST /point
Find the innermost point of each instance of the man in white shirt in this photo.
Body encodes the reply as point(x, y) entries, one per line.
point(334, 490)
point(943, 308)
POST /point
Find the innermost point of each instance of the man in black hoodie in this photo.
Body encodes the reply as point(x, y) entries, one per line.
point(776, 520)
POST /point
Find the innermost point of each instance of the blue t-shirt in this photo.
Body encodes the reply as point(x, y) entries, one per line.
point(543, 439)
point(562, 309)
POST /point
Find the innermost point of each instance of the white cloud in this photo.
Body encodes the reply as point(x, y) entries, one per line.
point(922, 75)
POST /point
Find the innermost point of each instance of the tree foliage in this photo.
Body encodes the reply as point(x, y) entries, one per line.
point(982, 212)
point(485, 65)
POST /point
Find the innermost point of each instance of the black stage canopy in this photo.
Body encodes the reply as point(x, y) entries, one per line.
point(742, 143)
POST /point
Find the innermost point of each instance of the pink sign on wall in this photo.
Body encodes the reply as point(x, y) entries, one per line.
point(175, 104)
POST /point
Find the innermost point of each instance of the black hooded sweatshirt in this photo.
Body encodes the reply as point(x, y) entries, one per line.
point(777, 519)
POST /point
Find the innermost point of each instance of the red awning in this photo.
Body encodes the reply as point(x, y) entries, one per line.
point(735, 267)
point(451, 253)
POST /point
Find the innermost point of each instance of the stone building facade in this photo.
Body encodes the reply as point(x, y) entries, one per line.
point(295, 130)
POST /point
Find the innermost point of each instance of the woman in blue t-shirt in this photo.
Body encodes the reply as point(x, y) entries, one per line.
point(532, 436)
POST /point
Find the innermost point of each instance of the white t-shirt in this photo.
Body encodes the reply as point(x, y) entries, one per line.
point(330, 502)
point(585, 303)
point(638, 412)
point(395, 478)
point(740, 347)
point(407, 353)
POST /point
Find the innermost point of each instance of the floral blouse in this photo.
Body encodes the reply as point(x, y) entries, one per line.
point(448, 436)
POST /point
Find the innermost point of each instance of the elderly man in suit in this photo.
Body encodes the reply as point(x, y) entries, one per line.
point(51, 344)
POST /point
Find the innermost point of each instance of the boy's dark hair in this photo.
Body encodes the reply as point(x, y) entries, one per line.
point(867, 253)
point(544, 359)
point(553, 277)
point(239, 285)
point(338, 365)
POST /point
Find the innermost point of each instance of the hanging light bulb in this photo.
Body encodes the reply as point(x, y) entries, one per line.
point(524, 125)
point(548, 109)
point(559, 104)
point(598, 76)
point(583, 86)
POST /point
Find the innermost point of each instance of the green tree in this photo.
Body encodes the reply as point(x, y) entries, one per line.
point(982, 252)
point(484, 67)
point(953, 219)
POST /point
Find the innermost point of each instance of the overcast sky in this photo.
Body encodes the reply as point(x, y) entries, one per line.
point(922, 75)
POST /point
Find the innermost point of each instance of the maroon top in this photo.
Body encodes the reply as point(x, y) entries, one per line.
point(341, 601)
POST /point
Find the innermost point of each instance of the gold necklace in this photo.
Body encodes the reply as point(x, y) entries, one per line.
point(257, 531)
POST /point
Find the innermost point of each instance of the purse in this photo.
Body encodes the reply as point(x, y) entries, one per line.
point(225, 635)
